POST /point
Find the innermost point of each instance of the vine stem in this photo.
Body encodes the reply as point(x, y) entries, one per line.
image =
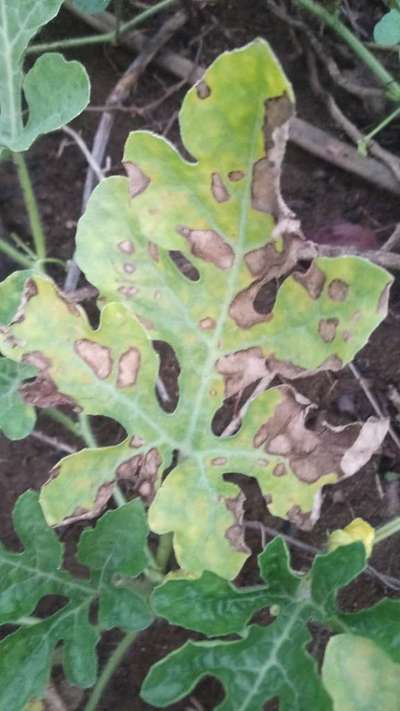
point(31, 205)
point(375, 66)
point(112, 36)
point(389, 529)
point(15, 254)
point(109, 669)
point(164, 551)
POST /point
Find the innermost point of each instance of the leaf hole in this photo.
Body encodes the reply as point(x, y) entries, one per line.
point(265, 298)
point(167, 387)
point(186, 268)
point(49, 605)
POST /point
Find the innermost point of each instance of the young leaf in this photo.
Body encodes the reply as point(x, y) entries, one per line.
point(55, 90)
point(267, 662)
point(387, 30)
point(359, 676)
point(17, 419)
point(115, 552)
point(223, 214)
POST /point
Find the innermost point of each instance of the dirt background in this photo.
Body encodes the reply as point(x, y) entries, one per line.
point(322, 196)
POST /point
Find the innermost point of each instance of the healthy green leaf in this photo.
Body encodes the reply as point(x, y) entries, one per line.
point(17, 419)
point(359, 676)
point(268, 661)
point(387, 30)
point(91, 6)
point(55, 90)
point(115, 552)
point(225, 216)
point(210, 604)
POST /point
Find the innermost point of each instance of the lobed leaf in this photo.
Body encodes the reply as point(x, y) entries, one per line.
point(114, 551)
point(360, 668)
point(55, 90)
point(267, 661)
point(190, 253)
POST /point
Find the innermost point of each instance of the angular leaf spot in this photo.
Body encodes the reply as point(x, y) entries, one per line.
point(236, 175)
point(126, 246)
point(279, 470)
point(203, 91)
point(97, 357)
point(207, 324)
point(128, 368)
point(338, 290)
point(142, 471)
point(218, 189)
point(138, 181)
point(129, 268)
point(327, 329)
point(128, 291)
point(135, 442)
point(210, 246)
point(37, 359)
point(313, 281)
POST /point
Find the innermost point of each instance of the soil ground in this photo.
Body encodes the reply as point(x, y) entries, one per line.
point(321, 195)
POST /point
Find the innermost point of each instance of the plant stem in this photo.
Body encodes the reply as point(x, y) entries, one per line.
point(31, 205)
point(382, 74)
point(86, 431)
point(363, 143)
point(109, 669)
point(118, 496)
point(164, 551)
point(64, 420)
point(389, 529)
point(15, 254)
point(106, 37)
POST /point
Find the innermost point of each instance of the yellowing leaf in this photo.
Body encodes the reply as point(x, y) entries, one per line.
point(359, 676)
point(191, 253)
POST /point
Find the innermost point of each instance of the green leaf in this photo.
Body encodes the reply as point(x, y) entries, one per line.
point(209, 605)
point(387, 30)
point(17, 419)
point(115, 552)
point(91, 6)
point(269, 661)
point(55, 90)
point(223, 213)
point(359, 676)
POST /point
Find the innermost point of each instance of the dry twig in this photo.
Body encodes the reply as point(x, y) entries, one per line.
point(373, 401)
point(85, 150)
point(54, 442)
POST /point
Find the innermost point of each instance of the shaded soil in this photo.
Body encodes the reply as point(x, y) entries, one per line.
point(321, 195)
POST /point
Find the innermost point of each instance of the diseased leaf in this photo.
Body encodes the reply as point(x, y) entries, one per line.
point(190, 253)
point(55, 90)
point(268, 661)
point(17, 419)
point(115, 547)
point(359, 676)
